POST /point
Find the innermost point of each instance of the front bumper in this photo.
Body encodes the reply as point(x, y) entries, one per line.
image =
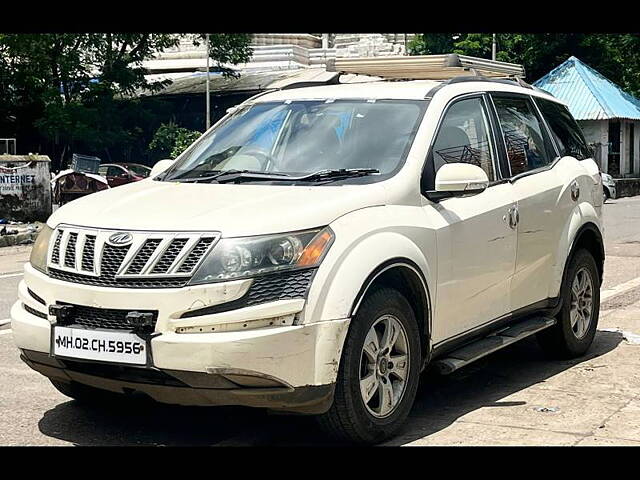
point(182, 388)
point(290, 367)
point(611, 188)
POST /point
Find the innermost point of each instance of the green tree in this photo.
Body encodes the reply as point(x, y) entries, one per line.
point(431, 44)
point(170, 140)
point(84, 85)
point(227, 48)
point(616, 56)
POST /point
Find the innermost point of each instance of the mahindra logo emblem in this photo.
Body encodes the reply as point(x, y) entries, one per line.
point(120, 239)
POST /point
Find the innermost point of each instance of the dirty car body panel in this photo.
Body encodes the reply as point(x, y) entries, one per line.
point(275, 337)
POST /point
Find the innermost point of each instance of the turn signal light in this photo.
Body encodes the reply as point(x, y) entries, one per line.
point(316, 248)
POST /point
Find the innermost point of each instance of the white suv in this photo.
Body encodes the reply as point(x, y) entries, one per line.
point(318, 248)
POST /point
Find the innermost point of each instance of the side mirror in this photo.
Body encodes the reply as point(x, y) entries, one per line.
point(160, 166)
point(458, 179)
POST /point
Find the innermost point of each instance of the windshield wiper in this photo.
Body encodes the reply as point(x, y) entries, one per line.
point(338, 173)
point(327, 174)
point(248, 175)
point(217, 174)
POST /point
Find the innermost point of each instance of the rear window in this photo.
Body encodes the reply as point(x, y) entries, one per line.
point(565, 129)
point(528, 147)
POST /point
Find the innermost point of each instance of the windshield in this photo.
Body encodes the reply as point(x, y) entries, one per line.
point(295, 138)
point(140, 170)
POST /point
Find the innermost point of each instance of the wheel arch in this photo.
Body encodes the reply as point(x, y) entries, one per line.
point(590, 238)
point(406, 276)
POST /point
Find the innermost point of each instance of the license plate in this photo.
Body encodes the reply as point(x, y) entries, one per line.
point(101, 345)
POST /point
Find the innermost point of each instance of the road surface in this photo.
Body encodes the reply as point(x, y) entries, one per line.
point(513, 397)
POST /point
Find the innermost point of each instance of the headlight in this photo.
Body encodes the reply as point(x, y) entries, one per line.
point(40, 248)
point(234, 258)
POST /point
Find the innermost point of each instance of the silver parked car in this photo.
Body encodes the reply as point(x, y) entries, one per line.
point(608, 186)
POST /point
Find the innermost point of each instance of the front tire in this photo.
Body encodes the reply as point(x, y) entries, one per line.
point(577, 321)
point(379, 371)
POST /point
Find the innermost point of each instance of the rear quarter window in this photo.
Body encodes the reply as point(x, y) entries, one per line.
point(565, 129)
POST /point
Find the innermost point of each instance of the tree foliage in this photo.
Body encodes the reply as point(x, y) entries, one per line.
point(81, 88)
point(170, 140)
point(227, 48)
point(616, 56)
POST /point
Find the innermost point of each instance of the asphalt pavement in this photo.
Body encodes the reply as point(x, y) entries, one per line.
point(516, 396)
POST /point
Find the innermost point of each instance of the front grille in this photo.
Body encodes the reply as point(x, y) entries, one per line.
point(92, 317)
point(268, 288)
point(143, 256)
point(123, 373)
point(36, 297)
point(112, 258)
point(196, 254)
point(55, 255)
point(167, 258)
point(70, 255)
point(150, 260)
point(88, 253)
point(33, 311)
point(106, 281)
point(282, 286)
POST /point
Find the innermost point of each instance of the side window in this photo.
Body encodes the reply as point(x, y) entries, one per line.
point(527, 145)
point(565, 129)
point(103, 171)
point(464, 137)
point(114, 171)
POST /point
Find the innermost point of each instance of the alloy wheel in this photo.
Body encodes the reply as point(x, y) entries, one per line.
point(581, 302)
point(384, 366)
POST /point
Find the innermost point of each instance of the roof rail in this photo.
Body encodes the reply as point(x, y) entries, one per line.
point(480, 78)
point(427, 67)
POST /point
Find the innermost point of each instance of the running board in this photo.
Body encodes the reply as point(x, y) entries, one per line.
point(480, 348)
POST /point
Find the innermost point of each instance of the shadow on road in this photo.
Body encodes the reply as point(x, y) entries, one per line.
point(440, 401)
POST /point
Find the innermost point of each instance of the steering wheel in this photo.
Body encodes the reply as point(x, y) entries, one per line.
point(263, 157)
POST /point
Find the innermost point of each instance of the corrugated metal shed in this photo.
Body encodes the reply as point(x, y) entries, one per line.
point(589, 95)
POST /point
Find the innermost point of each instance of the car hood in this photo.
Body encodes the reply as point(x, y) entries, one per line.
point(233, 209)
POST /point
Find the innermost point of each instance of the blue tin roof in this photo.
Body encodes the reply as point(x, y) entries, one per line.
point(589, 95)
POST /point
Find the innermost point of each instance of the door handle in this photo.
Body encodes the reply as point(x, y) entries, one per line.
point(513, 217)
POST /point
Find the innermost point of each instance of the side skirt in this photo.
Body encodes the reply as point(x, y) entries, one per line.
point(545, 308)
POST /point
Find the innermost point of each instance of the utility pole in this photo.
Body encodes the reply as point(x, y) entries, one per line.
point(493, 48)
point(208, 123)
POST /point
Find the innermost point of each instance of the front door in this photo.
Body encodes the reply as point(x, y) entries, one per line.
point(476, 241)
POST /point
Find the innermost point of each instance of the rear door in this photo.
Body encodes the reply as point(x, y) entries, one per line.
point(540, 190)
point(476, 247)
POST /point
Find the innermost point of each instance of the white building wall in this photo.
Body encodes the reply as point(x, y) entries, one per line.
point(630, 164)
point(596, 133)
point(624, 148)
point(636, 156)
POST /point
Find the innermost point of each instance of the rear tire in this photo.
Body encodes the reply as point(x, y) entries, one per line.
point(577, 320)
point(373, 367)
